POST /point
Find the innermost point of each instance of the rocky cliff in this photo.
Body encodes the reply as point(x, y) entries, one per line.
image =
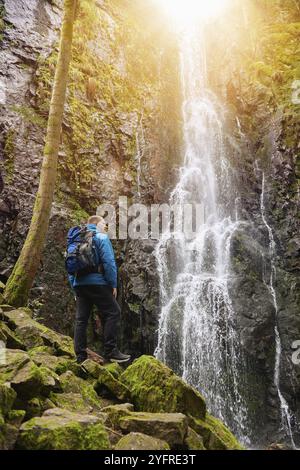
point(123, 84)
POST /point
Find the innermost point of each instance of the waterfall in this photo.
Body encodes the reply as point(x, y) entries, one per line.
point(286, 417)
point(197, 333)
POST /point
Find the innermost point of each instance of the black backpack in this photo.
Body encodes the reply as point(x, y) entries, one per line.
point(81, 257)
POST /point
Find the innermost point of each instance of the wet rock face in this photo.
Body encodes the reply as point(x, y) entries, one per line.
point(111, 143)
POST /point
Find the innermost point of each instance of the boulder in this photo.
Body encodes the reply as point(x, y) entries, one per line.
point(8, 435)
point(116, 412)
point(60, 429)
point(114, 368)
point(193, 441)
point(155, 388)
point(139, 441)
point(36, 334)
point(215, 435)
point(42, 357)
point(15, 417)
point(36, 406)
point(171, 427)
point(106, 382)
point(72, 384)
point(9, 337)
point(15, 359)
point(31, 380)
point(7, 398)
point(71, 402)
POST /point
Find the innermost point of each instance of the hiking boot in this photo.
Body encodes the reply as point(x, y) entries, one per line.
point(117, 356)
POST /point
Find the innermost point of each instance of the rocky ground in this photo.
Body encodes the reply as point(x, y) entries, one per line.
point(48, 401)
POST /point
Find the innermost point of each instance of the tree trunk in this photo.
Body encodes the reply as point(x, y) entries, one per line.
point(22, 277)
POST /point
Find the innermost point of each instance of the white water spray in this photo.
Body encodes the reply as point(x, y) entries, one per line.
point(197, 334)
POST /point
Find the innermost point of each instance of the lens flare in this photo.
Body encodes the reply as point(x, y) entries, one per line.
point(186, 11)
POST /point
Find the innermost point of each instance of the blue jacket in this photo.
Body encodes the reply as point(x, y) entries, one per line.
point(106, 254)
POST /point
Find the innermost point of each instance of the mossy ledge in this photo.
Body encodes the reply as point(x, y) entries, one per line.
point(48, 402)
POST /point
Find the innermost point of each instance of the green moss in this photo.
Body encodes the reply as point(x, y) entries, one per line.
point(139, 441)
point(71, 402)
point(65, 433)
point(154, 387)
point(7, 398)
point(215, 435)
point(29, 115)
point(72, 384)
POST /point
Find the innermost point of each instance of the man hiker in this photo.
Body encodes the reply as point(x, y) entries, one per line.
point(94, 286)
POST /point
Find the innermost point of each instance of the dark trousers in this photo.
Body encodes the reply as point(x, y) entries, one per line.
point(108, 307)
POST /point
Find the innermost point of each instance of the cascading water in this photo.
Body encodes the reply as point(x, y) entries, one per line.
point(286, 417)
point(197, 335)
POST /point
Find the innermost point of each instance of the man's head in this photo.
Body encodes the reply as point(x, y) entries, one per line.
point(99, 222)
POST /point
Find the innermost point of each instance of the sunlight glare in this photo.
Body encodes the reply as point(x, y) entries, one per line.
point(186, 11)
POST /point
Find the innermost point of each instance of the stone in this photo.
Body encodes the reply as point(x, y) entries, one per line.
point(60, 429)
point(42, 358)
point(8, 436)
point(15, 417)
point(106, 382)
point(155, 388)
point(215, 434)
point(171, 427)
point(114, 368)
point(15, 359)
point(7, 398)
point(9, 337)
point(23, 325)
point(139, 441)
point(71, 402)
point(72, 384)
point(193, 441)
point(116, 412)
point(37, 406)
point(32, 380)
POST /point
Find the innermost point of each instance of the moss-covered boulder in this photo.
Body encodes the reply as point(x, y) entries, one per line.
point(155, 388)
point(15, 417)
point(193, 441)
point(216, 436)
point(8, 435)
point(9, 337)
point(106, 382)
point(31, 380)
point(15, 359)
point(71, 402)
point(41, 356)
point(72, 384)
point(116, 412)
point(36, 406)
point(171, 427)
point(139, 441)
point(35, 334)
point(114, 368)
point(60, 429)
point(7, 398)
